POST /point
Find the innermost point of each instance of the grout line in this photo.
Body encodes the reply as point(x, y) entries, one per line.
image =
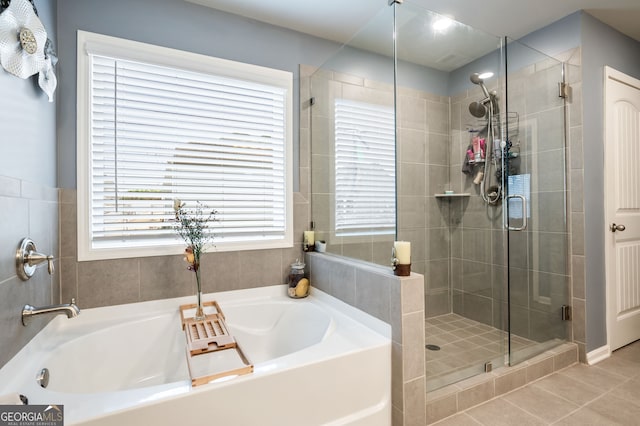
point(521, 408)
point(582, 407)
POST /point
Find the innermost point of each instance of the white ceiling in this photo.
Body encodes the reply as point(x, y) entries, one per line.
point(339, 19)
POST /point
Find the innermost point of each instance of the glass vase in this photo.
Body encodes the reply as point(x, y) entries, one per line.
point(199, 315)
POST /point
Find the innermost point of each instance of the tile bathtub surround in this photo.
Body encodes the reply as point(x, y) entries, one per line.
point(26, 210)
point(113, 282)
point(398, 301)
point(119, 281)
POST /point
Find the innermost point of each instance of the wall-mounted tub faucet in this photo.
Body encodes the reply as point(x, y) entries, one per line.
point(28, 259)
point(69, 309)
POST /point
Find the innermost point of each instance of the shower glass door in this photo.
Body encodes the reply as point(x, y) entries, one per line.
point(426, 130)
point(352, 123)
point(443, 68)
point(535, 192)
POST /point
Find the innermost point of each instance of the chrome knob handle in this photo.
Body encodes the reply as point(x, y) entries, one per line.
point(27, 259)
point(613, 227)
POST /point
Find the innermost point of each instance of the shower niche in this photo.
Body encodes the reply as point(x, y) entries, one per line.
point(454, 140)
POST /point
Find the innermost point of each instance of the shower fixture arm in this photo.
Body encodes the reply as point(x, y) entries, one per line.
point(491, 137)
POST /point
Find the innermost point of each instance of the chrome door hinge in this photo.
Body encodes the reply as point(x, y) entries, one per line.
point(563, 90)
point(565, 311)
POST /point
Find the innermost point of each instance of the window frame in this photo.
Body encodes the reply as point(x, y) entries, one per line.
point(91, 43)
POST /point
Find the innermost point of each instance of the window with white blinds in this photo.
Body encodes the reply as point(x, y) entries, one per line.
point(158, 131)
point(365, 196)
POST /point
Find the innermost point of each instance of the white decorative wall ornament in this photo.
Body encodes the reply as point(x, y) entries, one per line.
point(47, 79)
point(22, 40)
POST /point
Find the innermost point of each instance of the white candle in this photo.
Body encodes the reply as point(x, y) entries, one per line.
point(403, 252)
point(309, 238)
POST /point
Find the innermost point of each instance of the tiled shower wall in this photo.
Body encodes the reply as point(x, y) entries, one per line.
point(423, 170)
point(461, 239)
point(458, 243)
point(26, 210)
point(372, 288)
point(539, 261)
point(476, 229)
point(325, 86)
point(575, 166)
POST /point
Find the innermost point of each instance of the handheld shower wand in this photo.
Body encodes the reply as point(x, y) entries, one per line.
point(479, 109)
point(475, 79)
point(487, 107)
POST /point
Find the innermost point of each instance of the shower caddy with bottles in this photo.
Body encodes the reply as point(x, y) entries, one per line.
point(491, 144)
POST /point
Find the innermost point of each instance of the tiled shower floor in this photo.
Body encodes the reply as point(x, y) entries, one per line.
point(465, 346)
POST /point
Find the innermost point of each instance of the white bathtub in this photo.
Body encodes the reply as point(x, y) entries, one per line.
point(316, 361)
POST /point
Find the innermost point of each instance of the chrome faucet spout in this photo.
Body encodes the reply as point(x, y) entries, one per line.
point(71, 310)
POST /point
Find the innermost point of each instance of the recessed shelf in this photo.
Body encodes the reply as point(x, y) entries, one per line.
point(454, 195)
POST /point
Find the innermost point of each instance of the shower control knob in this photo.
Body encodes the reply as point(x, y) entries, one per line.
point(615, 227)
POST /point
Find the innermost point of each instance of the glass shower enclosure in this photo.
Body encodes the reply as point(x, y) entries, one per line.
point(426, 130)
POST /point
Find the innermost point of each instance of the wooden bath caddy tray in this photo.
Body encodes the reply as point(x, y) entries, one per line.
point(207, 335)
point(212, 352)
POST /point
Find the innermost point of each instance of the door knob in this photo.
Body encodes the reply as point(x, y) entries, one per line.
point(615, 227)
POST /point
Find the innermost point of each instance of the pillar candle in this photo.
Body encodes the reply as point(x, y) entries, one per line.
point(309, 237)
point(403, 252)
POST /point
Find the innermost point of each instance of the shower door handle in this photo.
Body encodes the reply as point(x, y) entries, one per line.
point(523, 199)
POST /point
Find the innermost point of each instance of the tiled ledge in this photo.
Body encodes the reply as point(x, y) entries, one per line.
point(460, 396)
point(398, 301)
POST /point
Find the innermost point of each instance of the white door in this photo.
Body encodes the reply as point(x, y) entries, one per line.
point(622, 207)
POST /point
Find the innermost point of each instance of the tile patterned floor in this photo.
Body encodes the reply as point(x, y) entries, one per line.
point(465, 345)
point(607, 393)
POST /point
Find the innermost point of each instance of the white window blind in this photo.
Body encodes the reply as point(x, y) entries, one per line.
point(158, 133)
point(365, 196)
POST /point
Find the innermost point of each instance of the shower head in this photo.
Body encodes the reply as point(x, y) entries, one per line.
point(477, 109)
point(475, 79)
